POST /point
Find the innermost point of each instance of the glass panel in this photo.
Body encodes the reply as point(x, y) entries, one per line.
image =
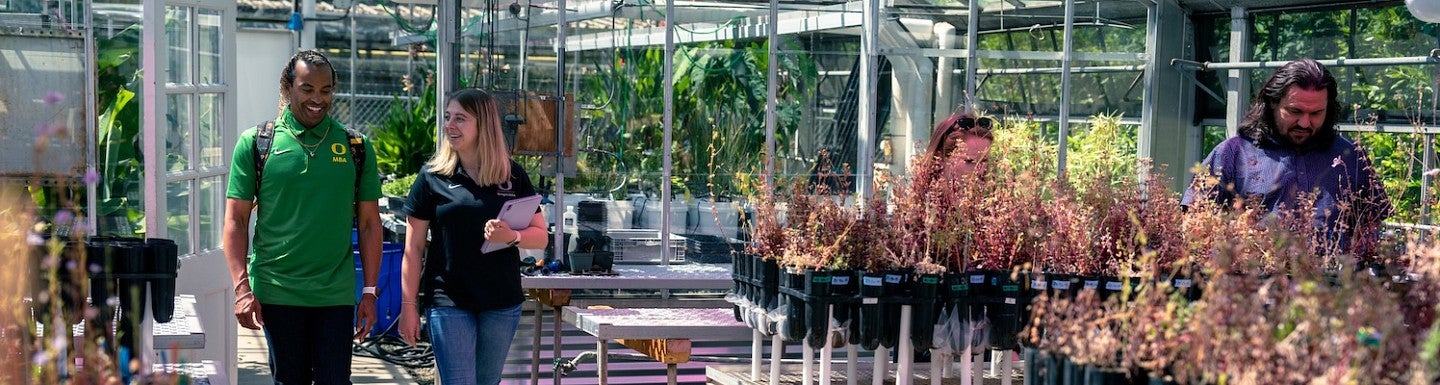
point(177, 32)
point(209, 130)
point(208, 47)
point(177, 142)
point(212, 206)
point(177, 214)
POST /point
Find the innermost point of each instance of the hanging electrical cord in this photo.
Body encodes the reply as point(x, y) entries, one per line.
point(405, 24)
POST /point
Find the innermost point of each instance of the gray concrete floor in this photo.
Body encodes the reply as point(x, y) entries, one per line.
point(252, 365)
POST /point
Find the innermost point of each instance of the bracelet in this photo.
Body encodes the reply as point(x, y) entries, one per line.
point(242, 282)
point(517, 239)
point(242, 296)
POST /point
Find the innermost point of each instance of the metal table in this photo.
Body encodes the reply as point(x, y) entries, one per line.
point(664, 334)
point(554, 291)
point(183, 331)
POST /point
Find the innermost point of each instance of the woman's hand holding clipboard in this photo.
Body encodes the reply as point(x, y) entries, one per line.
point(515, 214)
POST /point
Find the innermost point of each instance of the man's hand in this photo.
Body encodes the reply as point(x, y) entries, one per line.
point(364, 316)
point(247, 311)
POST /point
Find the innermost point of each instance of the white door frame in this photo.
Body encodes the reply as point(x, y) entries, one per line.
point(203, 271)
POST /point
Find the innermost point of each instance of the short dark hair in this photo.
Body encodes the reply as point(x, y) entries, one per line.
point(1304, 73)
point(312, 57)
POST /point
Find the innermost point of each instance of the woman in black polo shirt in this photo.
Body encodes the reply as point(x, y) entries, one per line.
point(472, 298)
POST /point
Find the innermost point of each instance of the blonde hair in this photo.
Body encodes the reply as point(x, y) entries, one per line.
point(494, 158)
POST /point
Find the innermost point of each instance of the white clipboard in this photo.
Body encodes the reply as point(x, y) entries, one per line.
point(517, 213)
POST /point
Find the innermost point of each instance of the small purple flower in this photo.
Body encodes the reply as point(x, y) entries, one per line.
point(53, 98)
point(92, 177)
point(64, 217)
point(1336, 163)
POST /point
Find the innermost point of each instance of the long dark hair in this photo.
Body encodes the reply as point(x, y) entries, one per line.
point(1304, 73)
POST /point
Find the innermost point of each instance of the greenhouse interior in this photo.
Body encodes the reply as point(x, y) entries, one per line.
point(738, 192)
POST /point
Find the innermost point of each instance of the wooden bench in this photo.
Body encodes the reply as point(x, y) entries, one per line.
point(661, 334)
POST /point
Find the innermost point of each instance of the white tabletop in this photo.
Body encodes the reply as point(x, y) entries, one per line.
point(658, 323)
point(183, 331)
point(657, 277)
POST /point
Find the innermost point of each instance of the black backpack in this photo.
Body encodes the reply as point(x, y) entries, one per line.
point(265, 135)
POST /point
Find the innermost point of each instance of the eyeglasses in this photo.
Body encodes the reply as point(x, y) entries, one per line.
point(971, 123)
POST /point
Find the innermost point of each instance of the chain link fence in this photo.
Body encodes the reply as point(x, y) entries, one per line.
point(365, 112)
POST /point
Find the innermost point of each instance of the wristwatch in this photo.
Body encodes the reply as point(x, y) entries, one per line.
point(369, 290)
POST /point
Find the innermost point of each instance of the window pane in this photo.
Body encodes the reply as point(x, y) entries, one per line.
point(209, 130)
point(177, 214)
point(177, 142)
point(212, 207)
point(208, 47)
point(177, 32)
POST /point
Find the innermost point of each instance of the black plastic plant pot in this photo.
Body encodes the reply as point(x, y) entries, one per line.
point(922, 312)
point(1060, 285)
point(769, 285)
point(872, 322)
point(1006, 320)
point(842, 287)
point(1095, 375)
point(163, 258)
point(980, 283)
point(795, 325)
point(896, 285)
point(740, 273)
point(1054, 363)
point(1090, 283)
point(817, 291)
point(1112, 287)
point(958, 296)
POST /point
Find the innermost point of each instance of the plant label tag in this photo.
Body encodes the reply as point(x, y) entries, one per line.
point(1060, 284)
point(1009, 301)
point(1183, 282)
point(1092, 285)
point(892, 278)
point(1113, 286)
point(871, 281)
point(820, 279)
point(930, 280)
point(1037, 284)
point(977, 279)
point(840, 280)
point(869, 301)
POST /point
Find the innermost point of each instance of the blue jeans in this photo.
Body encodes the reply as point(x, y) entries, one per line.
point(309, 345)
point(470, 346)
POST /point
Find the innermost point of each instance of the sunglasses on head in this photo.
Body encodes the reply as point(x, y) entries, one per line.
point(971, 123)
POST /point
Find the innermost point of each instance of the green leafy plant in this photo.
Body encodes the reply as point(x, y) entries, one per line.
point(405, 139)
point(399, 187)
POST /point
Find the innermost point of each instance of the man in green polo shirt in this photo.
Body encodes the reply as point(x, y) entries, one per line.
point(299, 283)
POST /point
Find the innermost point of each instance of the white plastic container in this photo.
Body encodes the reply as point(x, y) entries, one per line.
point(650, 215)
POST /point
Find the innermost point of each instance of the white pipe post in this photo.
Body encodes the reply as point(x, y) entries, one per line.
point(937, 365)
point(777, 350)
point(757, 341)
point(668, 121)
point(827, 350)
point(965, 360)
point(994, 362)
point(882, 363)
point(1007, 367)
point(807, 367)
point(907, 348)
point(852, 361)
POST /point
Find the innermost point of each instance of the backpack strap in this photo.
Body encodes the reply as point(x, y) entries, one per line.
point(264, 138)
point(357, 153)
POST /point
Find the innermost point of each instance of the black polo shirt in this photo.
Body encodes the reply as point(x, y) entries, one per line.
point(455, 272)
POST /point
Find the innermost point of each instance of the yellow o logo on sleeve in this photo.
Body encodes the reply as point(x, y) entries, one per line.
point(338, 148)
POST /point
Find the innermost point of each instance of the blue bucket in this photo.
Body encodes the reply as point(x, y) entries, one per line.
point(387, 302)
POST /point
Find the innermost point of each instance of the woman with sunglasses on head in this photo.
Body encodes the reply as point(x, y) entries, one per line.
point(962, 143)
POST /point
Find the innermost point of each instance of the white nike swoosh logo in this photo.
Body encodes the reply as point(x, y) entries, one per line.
point(278, 152)
point(454, 186)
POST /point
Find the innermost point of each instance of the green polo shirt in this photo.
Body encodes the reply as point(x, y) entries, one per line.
point(300, 252)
